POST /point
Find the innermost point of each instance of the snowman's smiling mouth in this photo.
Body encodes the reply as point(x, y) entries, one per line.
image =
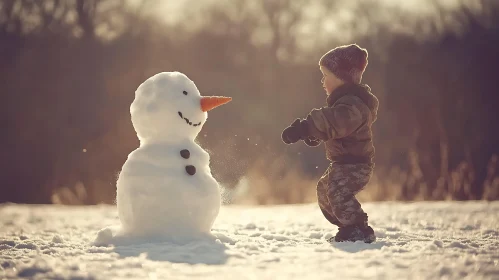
point(187, 120)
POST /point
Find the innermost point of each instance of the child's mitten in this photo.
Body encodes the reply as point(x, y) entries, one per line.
point(293, 133)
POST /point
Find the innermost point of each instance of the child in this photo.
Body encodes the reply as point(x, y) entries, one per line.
point(344, 125)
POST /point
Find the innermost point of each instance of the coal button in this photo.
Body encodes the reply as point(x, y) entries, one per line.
point(191, 170)
point(185, 153)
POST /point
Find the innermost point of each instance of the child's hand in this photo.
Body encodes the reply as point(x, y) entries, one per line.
point(293, 133)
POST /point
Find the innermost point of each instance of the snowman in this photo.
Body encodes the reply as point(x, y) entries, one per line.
point(165, 188)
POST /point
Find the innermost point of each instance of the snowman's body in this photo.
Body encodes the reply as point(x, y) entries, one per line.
point(179, 203)
point(165, 187)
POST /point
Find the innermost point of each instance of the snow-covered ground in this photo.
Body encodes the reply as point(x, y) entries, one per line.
point(443, 240)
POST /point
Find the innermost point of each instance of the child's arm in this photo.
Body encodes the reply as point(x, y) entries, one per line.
point(334, 122)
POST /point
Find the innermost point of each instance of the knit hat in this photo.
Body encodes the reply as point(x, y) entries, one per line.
point(346, 62)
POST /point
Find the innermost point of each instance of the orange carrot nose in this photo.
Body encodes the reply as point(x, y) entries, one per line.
point(211, 102)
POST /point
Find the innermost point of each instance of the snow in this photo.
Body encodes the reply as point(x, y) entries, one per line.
point(165, 190)
point(423, 240)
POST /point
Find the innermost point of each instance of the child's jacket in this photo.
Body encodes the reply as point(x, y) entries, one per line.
point(345, 124)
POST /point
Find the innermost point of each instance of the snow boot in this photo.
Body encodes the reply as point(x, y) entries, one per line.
point(354, 233)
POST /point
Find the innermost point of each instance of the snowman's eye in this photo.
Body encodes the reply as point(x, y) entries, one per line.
point(185, 92)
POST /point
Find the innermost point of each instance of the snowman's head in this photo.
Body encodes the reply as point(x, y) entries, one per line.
point(169, 107)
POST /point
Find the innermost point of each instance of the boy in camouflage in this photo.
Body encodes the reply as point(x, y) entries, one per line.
point(344, 125)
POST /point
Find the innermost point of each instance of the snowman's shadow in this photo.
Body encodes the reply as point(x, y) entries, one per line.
point(209, 252)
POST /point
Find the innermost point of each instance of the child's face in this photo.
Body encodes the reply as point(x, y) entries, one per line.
point(329, 81)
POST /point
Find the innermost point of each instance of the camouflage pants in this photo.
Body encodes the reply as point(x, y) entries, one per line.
point(336, 192)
